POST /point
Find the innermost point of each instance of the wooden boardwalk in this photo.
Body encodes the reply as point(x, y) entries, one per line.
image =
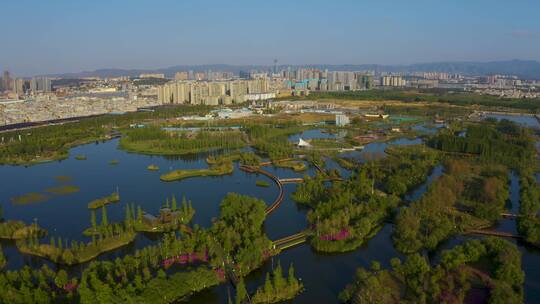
point(290, 241)
point(495, 233)
point(318, 167)
point(291, 180)
point(276, 180)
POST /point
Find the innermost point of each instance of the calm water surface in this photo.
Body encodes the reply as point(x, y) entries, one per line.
point(324, 276)
point(524, 120)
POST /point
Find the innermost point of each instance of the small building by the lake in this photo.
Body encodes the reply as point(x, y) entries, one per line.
point(166, 216)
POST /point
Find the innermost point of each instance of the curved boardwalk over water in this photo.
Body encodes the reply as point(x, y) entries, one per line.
point(276, 180)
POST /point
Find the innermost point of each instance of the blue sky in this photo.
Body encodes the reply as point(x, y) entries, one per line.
point(52, 36)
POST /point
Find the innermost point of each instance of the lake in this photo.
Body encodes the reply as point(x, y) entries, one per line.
point(323, 275)
point(524, 120)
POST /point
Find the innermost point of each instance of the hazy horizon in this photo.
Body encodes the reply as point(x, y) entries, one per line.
point(71, 36)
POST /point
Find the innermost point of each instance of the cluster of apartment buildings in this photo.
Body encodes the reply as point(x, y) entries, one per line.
point(324, 80)
point(392, 81)
point(14, 86)
point(35, 99)
point(215, 92)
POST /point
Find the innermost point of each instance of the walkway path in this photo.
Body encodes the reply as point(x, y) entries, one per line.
point(276, 180)
point(290, 241)
point(494, 233)
point(294, 180)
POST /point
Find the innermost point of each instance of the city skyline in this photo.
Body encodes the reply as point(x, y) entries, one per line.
point(75, 37)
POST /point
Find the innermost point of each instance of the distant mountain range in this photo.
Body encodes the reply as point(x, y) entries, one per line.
point(526, 69)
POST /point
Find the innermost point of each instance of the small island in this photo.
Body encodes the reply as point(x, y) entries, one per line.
point(219, 167)
point(277, 288)
point(261, 183)
point(59, 252)
point(152, 167)
point(62, 190)
point(18, 230)
point(100, 202)
point(28, 198)
point(295, 165)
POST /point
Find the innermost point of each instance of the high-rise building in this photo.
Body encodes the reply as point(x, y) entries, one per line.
point(365, 82)
point(6, 81)
point(18, 86)
point(243, 74)
point(174, 92)
point(181, 76)
point(217, 89)
point(40, 84)
point(392, 81)
point(200, 75)
point(199, 92)
point(238, 88)
point(259, 85)
point(215, 92)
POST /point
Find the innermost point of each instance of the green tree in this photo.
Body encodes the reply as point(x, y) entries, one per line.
point(104, 220)
point(279, 281)
point(268, 288)
point(139, 213)
point(241, 292)
point(93, 218)
point(61, 278)
point(2, 258)
point(184, 202)
point(68, 257)
point(128, 216)
point(173, 203)
point(293, 282)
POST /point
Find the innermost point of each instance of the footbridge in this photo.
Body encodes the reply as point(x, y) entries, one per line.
point(495, 233)
point(290, 241)
point(274, 178)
